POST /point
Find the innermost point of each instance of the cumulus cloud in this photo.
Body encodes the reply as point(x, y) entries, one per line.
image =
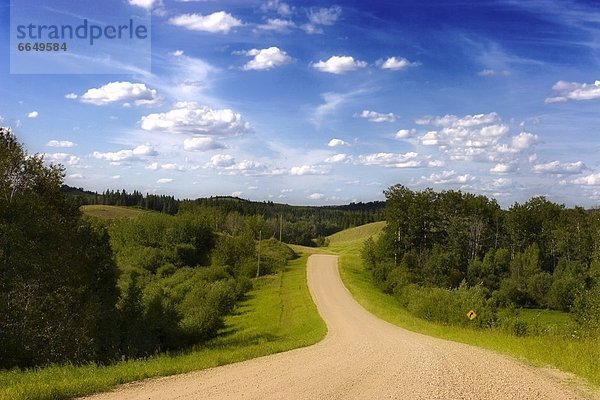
point(134, 154)
point(265, 59)
point(122, 92)
point(201, 144)
point(277, 25)
point(218, 22)
point(316, 196)
point(33, 114)
point(339, 65)
point(164, 180)
point(177, 53)
point(447, 177)
point(558, 168)
point(307, 170)
point(502, 168)
point(337, 142)
point(338, 158)
point(75, 176)
point(404, 133)
point(227, 164)
point(589, 180)
point(62, 158)
point(191, 118)
point(60, 143)
point(479, 137)
point(71, 96)
point(574, 91)
point(396, 63)
point(318, 17)
point(374, 116)
point(392, 160)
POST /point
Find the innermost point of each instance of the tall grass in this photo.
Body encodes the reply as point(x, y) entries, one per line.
point(278, 315)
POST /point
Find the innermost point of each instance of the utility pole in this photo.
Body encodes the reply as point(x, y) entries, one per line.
point(280, 225)
point(258, 263)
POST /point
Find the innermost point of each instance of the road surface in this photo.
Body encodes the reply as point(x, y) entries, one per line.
point(362, 357)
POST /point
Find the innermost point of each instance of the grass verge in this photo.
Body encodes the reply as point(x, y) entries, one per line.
point(578, 356)
point(277, 315)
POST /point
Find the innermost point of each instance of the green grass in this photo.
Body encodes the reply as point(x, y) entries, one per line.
point(579, 356)
point(278, 315)
point(112, 212)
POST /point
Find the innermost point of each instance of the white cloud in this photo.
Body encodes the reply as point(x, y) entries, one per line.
point(147, 4)
point(265, 59)
point(337, 142)
point(71, 96)
point(479, 137)
point(125, 92)
point(558, 168)
point(392, 160)
point(33, 114)
point(164, 180)
point(62, 158)
point(589, 180)
point(524, 141)
point(574, 91)
point(136, 153)
point(201, 144)
point(404, 133)
point(339, 65)
point(374, 116)
point(396, 64)
point(277, 25)
point(76, 176)
point(60, 143)
point(338, 158)
point(228, 165)
point(316, 196)
point(502, 168)
point(222, 161)
point(218, 22)
point(189, 117)
point(493, 72)
point(318, 17)
point(307, 170)
point(502, 182)
point(446, 177)
point(237, 193)
point(276, 5)
point(177, 53)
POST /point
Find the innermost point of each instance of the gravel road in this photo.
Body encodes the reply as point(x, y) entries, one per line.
point(362, 357)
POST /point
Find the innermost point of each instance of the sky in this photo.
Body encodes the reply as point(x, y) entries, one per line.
point(313, 102)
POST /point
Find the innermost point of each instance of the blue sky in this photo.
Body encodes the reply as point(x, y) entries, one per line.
point(326, 103)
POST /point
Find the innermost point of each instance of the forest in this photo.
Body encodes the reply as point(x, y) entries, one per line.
point(444, 253)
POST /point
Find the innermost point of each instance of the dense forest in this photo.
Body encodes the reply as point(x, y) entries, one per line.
point(444, 253)
point(295, 224)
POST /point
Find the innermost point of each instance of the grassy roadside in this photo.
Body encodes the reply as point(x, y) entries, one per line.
point(581, 357)
point(278, 315)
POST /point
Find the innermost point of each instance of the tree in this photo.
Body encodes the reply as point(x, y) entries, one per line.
point(57, 275)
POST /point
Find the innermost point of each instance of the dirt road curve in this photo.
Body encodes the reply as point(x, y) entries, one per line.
point(362, 357)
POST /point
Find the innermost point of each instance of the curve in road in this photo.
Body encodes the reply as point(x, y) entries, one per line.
point(362, 357)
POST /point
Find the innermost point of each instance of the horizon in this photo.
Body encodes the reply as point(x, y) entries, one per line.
point(317, 103)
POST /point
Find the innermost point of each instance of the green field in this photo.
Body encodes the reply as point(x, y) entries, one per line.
point(112, 212)
point(277, 315)
point(553, 349)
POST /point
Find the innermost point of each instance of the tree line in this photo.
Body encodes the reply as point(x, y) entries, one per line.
point(295, 224)
point(441, 249)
